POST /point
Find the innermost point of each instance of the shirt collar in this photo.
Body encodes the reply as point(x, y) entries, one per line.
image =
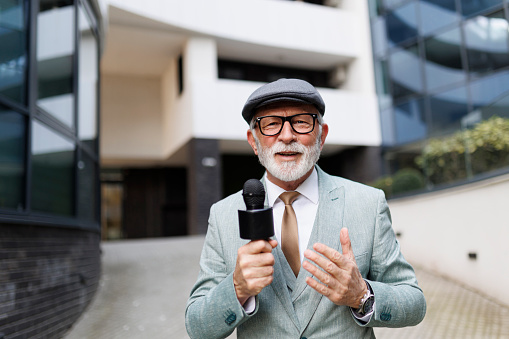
point(308, 189)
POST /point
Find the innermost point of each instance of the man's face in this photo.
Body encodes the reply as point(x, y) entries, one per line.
point(289, 157)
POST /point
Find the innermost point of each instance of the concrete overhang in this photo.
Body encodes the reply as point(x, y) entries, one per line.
point(139, 44)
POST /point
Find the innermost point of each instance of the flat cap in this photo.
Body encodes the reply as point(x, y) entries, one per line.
point(283, 90)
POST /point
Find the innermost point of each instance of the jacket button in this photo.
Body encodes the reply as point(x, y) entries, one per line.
point(230, 319)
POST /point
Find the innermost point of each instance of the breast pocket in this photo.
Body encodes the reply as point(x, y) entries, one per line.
point(362, 260)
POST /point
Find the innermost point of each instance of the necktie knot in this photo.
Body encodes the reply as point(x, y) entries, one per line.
point(289, 197)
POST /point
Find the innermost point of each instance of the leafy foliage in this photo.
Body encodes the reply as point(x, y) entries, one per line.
point(404, 180)
point(467, 152)
point(407, 179)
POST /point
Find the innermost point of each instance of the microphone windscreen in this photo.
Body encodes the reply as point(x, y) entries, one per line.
point(254, 194)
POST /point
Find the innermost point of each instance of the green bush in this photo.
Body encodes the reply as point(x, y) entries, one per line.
point(467, 152)
point(406, 180)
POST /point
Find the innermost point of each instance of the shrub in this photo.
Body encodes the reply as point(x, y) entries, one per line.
point(407, 179)
point(467, 152)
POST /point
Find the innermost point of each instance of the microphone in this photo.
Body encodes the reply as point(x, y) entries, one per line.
point(256, 222)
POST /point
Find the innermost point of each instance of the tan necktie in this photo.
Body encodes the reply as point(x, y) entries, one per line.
point(290, 232)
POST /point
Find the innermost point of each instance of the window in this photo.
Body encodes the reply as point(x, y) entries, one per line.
point(52, 171)
point(265, 73)
point(410, 121)
point(405, 72)
point(471, 7)
point(392, 3)
point(55, 59)
point(49, 154)
point(402, 24)
point(87, 188)
point(436, 14)
point(487, 43)
point(443, 60)
point(379, 37)
point(447, 110)
point(387, 125)
point(12, 159)
point(88, 80)
point(489, 89)
point(13, 51)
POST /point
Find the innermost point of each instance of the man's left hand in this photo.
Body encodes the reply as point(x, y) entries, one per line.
point(341, 282)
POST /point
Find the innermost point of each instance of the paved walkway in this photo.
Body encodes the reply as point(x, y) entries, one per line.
point(145, 285)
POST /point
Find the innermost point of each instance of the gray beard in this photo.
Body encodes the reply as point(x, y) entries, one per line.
point(288, 171)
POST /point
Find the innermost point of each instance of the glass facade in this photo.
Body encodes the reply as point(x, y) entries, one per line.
point(52, 171)
point(12, 159)
point(442, 77)
point(13, 54)
point(49, 161)
point(56, 32)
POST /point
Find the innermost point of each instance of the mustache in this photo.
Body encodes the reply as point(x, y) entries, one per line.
point(294, 147)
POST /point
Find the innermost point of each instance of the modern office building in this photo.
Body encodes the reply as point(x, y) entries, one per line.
point(175, 76)
point(49, 164)
point(442, 75)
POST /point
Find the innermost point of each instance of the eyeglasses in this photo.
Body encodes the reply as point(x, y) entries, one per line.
point(303, 123)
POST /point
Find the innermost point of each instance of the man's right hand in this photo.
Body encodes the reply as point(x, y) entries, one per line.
point(254, 268)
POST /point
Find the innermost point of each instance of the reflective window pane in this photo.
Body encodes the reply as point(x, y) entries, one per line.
point(379, 37)
point(443, 60)
point(382, 84)
point(402, 23)
point(392, 3)
point(499, 108)
point(52, 171)
point(13, 50)
point(471, 7)
point(55, 50)
point(375, 7)
point(87, 189)
point(487, 43)
point(436, 14)
point(12, 159)
point(447, 110)
point(487, 90)
point(387, 126)
point(88, 78)
point(410, 121)
point(405, 72)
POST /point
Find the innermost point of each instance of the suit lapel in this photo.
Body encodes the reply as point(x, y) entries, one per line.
point(328, 223)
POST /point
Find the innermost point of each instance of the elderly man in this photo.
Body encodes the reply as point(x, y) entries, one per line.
point(334, 267)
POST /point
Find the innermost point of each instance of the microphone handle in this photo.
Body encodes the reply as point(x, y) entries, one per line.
point(256, 224)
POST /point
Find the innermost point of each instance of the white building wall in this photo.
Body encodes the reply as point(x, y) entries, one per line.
point(277, 23)
point(177, 129)
point(275, 32)
point(439, 230)
point(132, 127)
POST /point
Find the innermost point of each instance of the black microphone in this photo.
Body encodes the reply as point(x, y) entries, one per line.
point(256, 222)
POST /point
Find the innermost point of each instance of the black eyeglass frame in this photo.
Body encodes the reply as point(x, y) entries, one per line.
point(284, 120)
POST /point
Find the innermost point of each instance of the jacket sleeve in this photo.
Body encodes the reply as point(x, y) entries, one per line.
point(398, 299)
point(213, 310)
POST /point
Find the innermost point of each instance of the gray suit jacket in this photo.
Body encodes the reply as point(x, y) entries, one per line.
point(288, 308)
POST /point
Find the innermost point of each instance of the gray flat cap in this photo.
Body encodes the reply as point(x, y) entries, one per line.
point(283, 90)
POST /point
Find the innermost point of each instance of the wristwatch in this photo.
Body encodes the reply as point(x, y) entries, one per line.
point(367, 301)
